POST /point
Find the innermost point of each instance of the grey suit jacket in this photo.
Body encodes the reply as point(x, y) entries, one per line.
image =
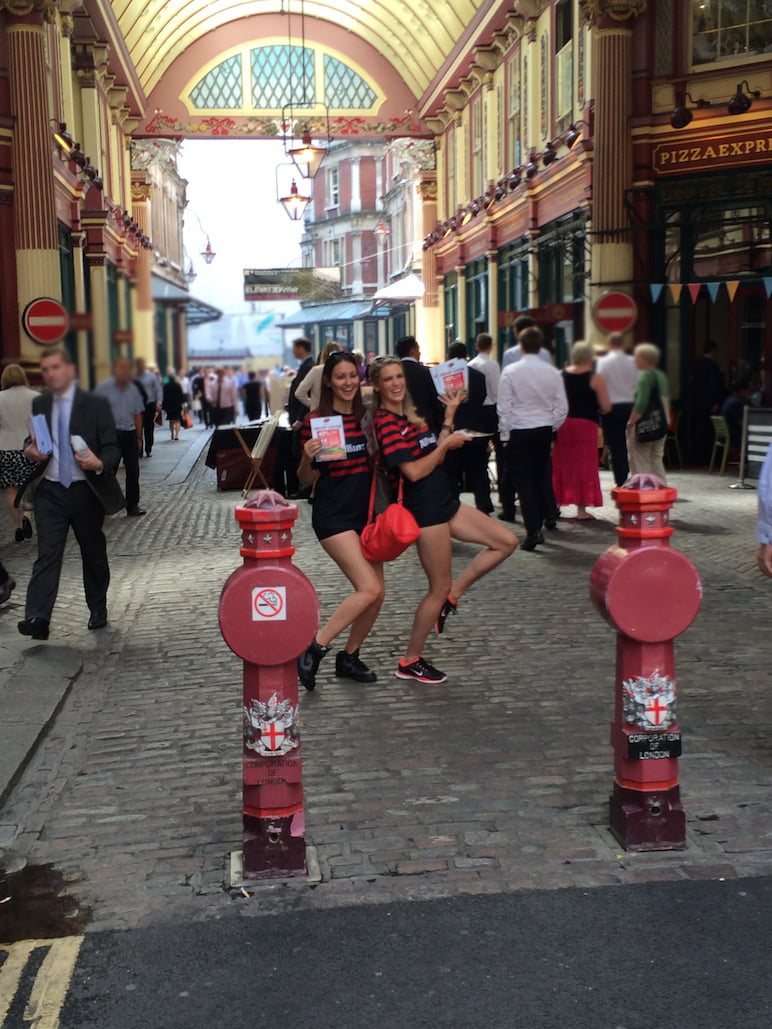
point(93, 420)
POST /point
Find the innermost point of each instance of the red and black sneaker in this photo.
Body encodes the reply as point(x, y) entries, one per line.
point(420, 671)
point(448, 608)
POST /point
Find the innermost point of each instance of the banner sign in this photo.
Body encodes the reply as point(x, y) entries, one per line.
point(318, 284)
point(678, 157)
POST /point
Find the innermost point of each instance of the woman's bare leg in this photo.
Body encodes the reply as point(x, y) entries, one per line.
point(15, 512)
point(360, 609)
point(434, 554)
point(472, 526)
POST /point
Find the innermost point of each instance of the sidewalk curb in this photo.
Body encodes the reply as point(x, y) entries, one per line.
point(33, 691)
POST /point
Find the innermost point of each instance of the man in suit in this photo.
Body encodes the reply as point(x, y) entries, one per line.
point(420, 384)
point(76, 490)
point(468, 466)
point(296, 412)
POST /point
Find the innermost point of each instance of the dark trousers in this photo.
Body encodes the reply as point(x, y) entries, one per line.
point(148, 427)
point(614, 434)
point(528, 456)
point(56, 511)
point(468, 467)
point(127, 443)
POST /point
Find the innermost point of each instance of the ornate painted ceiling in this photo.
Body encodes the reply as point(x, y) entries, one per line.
point(201, 63)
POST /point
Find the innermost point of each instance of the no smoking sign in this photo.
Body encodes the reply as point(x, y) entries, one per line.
point(269, 604)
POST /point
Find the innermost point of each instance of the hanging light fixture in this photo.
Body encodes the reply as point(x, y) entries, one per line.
point(293, 201)
point(207, 253)
point(307, 157)
point(381, 231)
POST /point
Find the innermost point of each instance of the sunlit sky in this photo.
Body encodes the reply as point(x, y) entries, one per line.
point(232, 198)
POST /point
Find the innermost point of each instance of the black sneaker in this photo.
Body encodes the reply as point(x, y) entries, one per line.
point(348, 666)
point(420, 671)
point(448, 608)
point(308, 664)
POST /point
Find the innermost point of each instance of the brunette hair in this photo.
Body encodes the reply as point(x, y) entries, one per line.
point(531, 339)
point(327, 398)
point(13, 375)
point(374, 370)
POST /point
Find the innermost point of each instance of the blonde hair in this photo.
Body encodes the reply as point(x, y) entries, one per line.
point(13, 375)
point(582, 352)
point(374, 370)
point(647, 352)
point(329, 348)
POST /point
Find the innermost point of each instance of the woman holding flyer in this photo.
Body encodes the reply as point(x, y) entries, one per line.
point(411, 450)
point(334, 456)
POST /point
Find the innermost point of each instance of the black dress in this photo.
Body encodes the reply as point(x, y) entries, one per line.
point(172, 400)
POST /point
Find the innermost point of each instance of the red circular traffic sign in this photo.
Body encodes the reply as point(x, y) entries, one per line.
point(614, 312)
point(45, 320)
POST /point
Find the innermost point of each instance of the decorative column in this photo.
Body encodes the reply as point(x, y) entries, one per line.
point(142, 319)
point(356, 264)
point(612, 23)
point(356, 189)
point(35, 235)
point(493, 293)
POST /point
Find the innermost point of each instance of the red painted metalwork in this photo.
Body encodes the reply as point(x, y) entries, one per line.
point(268, 615)
point(650, 594)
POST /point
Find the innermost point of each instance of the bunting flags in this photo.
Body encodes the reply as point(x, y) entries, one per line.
point(693, 289)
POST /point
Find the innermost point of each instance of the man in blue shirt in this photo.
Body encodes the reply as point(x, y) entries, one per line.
point(128, 409)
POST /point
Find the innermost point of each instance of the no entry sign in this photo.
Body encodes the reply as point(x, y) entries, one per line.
point(45, 321)
point(614, 312)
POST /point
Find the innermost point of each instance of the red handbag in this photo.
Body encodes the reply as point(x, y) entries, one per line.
point(389, 534)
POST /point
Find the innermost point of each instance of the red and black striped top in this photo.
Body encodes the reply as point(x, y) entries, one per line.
point(355, 462)
point(400, 440)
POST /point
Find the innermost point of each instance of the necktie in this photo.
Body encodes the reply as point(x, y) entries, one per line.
point(63, 449)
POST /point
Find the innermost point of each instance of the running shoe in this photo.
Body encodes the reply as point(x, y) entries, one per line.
point(448, 608)
point(420, 671)
point(308, 664)
point(349, 666)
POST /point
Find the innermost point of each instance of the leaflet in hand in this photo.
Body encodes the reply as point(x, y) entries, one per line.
point(329, 432)
point(451, 377)
point(43, 440)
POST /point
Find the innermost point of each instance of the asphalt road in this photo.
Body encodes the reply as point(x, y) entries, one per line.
point(686, 955)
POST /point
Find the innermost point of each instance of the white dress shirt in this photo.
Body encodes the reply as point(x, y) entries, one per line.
point(621, 375)
point(531, 396)
point(514, 354)
point(484, 363)
point(765, 500)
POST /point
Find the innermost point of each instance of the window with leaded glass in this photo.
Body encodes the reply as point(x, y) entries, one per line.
point(730, 30)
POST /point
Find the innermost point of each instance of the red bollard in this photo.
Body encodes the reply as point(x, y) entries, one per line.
point(269, 613)
point(650, 594)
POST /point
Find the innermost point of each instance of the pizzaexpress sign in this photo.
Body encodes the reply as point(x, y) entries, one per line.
point(677, 158)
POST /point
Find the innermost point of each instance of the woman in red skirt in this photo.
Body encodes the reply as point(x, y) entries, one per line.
point(575, 477)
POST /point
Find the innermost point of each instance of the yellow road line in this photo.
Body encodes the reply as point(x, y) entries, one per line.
point(10, 973)
point(51, 984)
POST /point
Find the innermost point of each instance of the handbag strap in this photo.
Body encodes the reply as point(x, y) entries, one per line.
point(373, 485)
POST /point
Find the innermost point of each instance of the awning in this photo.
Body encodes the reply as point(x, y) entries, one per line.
point(408, 288)
point(196, 311)
point(316, 314)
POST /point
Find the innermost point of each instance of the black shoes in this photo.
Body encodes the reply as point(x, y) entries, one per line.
point(420, 671)
point(507, 515)
point(135, 512)
point(551, 524)
point(348, 666)
point(26, 527)
point(98, 619)
point(448, 608)
point(308, 664)
point(6, 589)
point(37, 628)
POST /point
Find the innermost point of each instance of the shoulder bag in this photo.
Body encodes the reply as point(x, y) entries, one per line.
point(653, 423)
point(390, 533)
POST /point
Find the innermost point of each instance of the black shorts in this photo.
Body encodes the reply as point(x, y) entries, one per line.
point(324, 532)
point(432, 500)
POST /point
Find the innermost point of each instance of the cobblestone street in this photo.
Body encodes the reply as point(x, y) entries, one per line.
point(496, 781)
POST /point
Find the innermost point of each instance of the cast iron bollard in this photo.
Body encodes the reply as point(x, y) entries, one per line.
point(650, 594)
point(268, 615)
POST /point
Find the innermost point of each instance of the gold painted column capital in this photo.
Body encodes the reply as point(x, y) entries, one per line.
point(25, 8)
point(611, 13)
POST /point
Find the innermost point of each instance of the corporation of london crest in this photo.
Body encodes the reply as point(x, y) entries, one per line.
point(271, 729)
point(649, 703)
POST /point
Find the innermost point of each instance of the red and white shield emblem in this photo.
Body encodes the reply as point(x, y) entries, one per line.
point(272, 735)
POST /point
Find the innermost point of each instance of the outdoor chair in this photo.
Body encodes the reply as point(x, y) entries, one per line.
point(720, 442)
